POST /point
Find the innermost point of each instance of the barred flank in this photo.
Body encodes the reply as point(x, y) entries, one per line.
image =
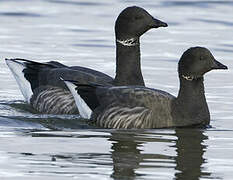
point(54, 100)
point(124, 117)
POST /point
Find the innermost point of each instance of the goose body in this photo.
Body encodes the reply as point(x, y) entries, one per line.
point(40, 83)
point(141, 107)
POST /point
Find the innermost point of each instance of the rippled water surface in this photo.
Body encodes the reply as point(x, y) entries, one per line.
point(35, 146)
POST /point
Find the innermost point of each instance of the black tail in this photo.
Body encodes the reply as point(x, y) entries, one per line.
point(32, 70)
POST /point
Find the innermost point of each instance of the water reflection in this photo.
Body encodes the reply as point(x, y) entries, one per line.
point(190, 149)
point(128, 155)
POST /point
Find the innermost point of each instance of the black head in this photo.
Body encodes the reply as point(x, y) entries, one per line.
point(197, 61)
point(135, 21)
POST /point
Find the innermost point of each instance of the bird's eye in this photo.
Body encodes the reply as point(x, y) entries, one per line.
point(138, 17)
point(202, 58)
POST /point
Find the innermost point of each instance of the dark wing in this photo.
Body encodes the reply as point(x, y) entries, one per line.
point(49, 73)
point(131, 96)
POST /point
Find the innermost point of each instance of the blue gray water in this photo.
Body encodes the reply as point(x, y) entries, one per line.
point(81, 32)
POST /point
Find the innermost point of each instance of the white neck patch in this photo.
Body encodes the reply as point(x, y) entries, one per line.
point(128, 42)
point(188, 78)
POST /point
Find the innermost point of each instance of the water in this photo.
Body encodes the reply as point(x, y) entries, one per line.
point(35, 146)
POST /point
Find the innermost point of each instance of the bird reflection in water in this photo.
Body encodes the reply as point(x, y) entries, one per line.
point(128, 155)
point(190, 148)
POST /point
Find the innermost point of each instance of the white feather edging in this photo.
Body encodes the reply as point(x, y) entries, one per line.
point(24, 85)
point(84, 110)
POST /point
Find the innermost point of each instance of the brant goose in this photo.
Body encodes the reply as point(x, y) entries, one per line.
point(142, 107)
point(40, 83)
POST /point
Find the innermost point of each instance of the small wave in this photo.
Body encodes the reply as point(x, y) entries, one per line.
point(227, 45)
point(223, 50)
point(225, 23)
point(20, 111)
point(93, 45)
point(199, 4)
point(19, 14)
point(82, 30)
point(77, 3)
point(7, 122)
point(55, 122)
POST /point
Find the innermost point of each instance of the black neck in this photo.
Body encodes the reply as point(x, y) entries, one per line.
point(190, 105)
point(128, 65)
